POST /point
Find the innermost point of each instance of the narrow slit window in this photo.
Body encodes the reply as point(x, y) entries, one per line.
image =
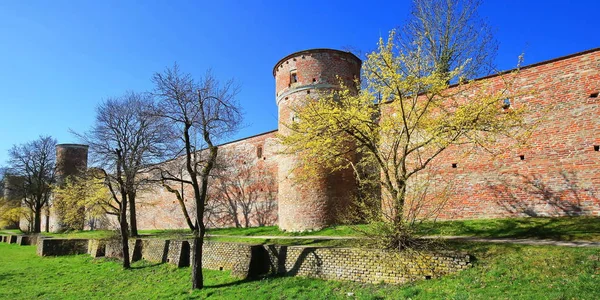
point(293, 77)
point(454, 165)
point(259, 151)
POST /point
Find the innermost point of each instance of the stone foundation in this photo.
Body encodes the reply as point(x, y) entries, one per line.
point(59, 247)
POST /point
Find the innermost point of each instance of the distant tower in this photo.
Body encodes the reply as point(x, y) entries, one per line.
point(314, 203)
point(71, 159)
point(13, 193)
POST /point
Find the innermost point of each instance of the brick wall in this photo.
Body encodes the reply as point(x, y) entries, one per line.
point(315, 202)
point(157, 208)
point(556, 173)
point(59, 247)
point(251, 261)
point(364, 265)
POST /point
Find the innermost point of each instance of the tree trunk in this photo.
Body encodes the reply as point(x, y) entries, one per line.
point(48, 218)
point(132, 215)
point(37, 220)
point(197, 277)
point(124, 233)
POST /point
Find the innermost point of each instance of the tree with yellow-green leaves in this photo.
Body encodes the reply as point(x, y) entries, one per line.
point(399, 122)
point(82, 200)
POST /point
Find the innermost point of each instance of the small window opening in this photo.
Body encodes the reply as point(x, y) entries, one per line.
point(522, 157)
point(308, 91)
point(220, 268)
point(454, 165)
point(293, 77)
point(314, 80)
point(427, 277)
point(506, 103)
point(596, 147)
point(594, 95)
point(259, 151)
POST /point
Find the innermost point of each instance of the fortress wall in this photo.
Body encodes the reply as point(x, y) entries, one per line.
point(157, 208)
point(558, 171)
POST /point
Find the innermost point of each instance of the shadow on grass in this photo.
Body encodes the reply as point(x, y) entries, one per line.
point(558, 228)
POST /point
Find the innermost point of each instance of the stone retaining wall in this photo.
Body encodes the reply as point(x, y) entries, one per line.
point(58, 247)
point(251, 261)
point(363, 265)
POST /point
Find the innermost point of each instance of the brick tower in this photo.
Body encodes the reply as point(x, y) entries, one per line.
point(71, 159)
point(315, 203)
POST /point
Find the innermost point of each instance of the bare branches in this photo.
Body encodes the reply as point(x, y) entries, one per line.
point(127, 133)
point(34, 163)
point(199, 113)
point(449, 34)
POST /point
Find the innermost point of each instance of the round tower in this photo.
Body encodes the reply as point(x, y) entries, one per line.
point(299, 77)
point(13, 194)
point(71, 159)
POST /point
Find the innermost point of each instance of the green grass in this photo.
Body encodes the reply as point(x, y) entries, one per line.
point(564, 229)
point(500, 272)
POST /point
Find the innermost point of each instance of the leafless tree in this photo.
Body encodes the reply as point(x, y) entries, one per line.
point(203, 112)
point(34, 162)
point(241, 185)
point(449, 33)
point(126, 137)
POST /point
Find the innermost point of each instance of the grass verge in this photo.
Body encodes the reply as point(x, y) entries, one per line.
point(500, 272)
point(563, 229)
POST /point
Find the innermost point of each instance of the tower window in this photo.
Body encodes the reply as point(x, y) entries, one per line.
point(259, 151)
point(594, 95)
point(506, 103)
point(293, 77)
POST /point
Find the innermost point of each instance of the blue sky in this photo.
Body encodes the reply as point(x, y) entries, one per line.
point(59, 59)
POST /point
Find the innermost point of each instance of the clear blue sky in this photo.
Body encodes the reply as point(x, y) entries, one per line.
point(59, 59)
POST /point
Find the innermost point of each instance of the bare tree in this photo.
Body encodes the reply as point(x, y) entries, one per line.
point(126, 137)
point(240, 187)
point(34, 162)
point(202, 112)
point(449, 34)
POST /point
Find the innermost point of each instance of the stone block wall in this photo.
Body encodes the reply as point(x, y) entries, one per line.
point(155, 250)
point(227, 256)
point(58, 247)
point(179, 253)
point(252, 261)
point(364, 265)
point(97, 248)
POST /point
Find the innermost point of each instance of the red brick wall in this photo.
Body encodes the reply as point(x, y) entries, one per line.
point(559, 173)
point(315, 202)
point(157, 208)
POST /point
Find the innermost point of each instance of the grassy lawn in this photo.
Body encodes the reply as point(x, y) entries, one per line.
point(564, 229)
point(500, 272)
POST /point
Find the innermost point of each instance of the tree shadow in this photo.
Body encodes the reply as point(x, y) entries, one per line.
point(531, 195)
point(269, 261)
